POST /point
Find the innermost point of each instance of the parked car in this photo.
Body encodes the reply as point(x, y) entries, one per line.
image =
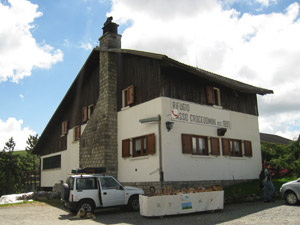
point(91, 191)
point(290, 192)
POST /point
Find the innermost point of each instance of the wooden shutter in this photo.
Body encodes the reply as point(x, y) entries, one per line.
point(225, 146)
point(210, 95)
point(215, 146)
point(130, 95)
point(248, 148)
point(186, 143)
point(84, 114)
point(126, 148)
point(150, 143)
point(77, 133)
point(64, 127)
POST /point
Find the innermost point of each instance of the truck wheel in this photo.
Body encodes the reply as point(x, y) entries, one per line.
point(133, 203)
point(65, 191)
point(87, 205)
point(291, 198)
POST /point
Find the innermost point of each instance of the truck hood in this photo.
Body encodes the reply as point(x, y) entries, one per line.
point(134, 189)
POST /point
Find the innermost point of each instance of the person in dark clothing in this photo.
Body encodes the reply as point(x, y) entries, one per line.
point(268, 186)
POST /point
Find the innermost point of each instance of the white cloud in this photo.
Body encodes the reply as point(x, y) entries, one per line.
point(262, 49)
point(13, 128)
point(21, 96)
point(19, 51)
point(86, 46)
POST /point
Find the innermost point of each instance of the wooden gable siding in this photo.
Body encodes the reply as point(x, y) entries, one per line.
point(141, 72)
point(182, 85)
point(83, 92)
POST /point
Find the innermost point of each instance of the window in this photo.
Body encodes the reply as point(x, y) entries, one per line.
point(64, 128)
point(213, 95)
point(90, 111)
point(109, 183)
point(128, 96)
point(52, 162)
point(192, 144)
point(84, 114)
point(232, 147)
point(86, 183)
point(248, 148)
point(77, 133)
point(215, 146)
point(141, 146)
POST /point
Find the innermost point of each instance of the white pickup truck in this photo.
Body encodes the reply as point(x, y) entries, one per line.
point(91, 191)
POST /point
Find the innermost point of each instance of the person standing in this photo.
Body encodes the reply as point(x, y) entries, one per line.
point(268, 185)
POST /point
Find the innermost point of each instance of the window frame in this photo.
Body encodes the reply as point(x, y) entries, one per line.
point(228, 147)
point(147, 143)
point(187, 144)
point(52, 162)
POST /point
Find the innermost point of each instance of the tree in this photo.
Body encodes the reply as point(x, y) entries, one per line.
point(10, 145)
point(31, 142)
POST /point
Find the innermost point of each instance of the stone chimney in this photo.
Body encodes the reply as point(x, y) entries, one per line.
point(99, 143)
point(110, 38)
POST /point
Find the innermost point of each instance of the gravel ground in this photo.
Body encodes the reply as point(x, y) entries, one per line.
point(244, 213)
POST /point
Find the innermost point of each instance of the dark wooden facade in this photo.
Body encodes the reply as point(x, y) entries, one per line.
point(152, 78)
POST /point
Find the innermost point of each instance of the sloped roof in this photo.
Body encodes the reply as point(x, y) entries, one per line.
point(272, 138)
point(227, 82)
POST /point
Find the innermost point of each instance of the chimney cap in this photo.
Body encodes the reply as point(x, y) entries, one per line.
point(109, 26)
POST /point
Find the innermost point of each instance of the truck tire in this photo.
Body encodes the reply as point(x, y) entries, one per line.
point(133, 203)
point(87, 204)
point(65, 191)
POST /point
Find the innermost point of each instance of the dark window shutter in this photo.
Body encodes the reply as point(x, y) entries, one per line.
point(186, 143)
point(210, 95)
point(126, 148)
point(64, 127)
point(150, 139)
point(248, 148)
point(215, 146)
point(130, 95)
point(90, 111)
point(225, 146)
point(84, 114)
point(77, 133)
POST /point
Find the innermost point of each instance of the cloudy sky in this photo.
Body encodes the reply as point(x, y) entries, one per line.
point(43, 45)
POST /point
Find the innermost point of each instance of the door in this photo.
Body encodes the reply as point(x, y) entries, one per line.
point(112, 192)
point(87, 187)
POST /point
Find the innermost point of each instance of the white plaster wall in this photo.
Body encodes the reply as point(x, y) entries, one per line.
point(145, 168)
point(69, 161)
point(186, 167)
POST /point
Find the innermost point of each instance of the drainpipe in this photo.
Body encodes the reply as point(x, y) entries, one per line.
point(161, 173)
point(157, 119)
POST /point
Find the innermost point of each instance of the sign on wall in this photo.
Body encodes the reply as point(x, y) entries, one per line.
point(188, 112)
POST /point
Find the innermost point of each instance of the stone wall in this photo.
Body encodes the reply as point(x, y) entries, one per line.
point(178, 185)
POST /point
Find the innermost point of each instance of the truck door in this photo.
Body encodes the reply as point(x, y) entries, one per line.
point(112, 192)
point(86, 187)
